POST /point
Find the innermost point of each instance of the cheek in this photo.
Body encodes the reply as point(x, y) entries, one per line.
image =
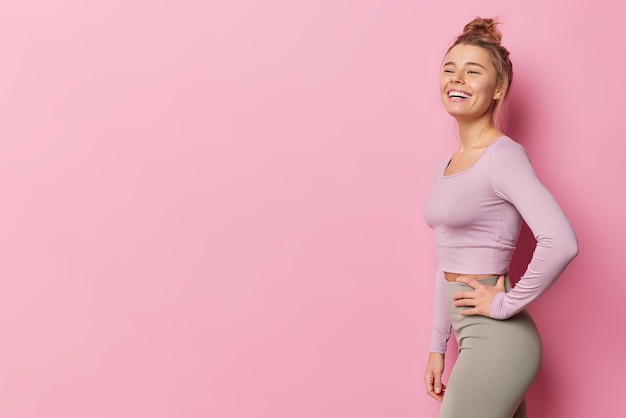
point(487, 90)
point(442, 85)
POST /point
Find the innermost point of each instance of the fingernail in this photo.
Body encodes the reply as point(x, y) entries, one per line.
point(437, 390)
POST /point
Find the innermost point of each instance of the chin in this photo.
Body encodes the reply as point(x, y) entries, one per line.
point(466, 116)
point(456, 114)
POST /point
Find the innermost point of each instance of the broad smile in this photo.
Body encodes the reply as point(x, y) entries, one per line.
point(458, 94)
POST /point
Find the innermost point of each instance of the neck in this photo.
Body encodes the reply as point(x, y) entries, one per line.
point(477, 133)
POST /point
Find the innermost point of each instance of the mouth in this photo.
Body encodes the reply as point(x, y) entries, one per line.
point(457, 94)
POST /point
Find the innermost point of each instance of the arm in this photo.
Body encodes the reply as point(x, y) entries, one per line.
point(441, 322)
point(438, 341)
point(514, 180)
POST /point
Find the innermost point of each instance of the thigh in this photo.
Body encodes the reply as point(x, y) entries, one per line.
point(497, 363)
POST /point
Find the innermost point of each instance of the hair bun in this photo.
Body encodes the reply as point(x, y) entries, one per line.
point(486, 27)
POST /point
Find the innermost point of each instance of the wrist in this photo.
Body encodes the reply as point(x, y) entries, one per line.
point(496, 309)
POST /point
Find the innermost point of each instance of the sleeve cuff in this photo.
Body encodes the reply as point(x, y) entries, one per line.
point(496, 310)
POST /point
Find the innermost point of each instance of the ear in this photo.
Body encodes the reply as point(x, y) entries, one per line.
point(498, 93)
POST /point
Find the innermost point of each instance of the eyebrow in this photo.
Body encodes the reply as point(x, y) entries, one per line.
point(467, 63)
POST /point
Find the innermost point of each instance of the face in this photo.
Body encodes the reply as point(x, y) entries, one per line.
point(468, 83)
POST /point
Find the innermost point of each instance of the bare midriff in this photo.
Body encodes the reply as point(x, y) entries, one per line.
point(451, 277)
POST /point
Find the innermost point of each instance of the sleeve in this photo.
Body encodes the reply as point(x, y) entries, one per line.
point(514, 180)
point(441, 322)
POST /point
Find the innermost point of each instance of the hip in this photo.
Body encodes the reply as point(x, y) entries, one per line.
point(519, 331)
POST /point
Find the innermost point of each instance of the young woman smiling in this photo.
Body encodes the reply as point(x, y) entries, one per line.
point(480, 196)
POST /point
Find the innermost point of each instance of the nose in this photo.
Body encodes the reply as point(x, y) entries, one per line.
point(456, 78)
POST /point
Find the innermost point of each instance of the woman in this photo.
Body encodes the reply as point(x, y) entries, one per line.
point(479, 198)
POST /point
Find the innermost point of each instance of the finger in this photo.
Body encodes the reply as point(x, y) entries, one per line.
point(470, 281)
point(459, 295)
point(430, 386)
point(470, 312)
point(430, 383)
point(437, 396)
point(463, 295)
point(438, 387)
point(465, 302)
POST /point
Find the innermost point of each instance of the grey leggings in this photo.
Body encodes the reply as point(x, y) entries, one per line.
point(498, 361)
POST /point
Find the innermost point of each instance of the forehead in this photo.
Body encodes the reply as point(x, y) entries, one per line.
point(461, 54)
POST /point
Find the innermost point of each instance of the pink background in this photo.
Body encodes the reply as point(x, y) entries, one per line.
point(215, 210)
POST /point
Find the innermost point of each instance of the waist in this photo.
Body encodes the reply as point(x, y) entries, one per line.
point(474, 258)
point(451, 277)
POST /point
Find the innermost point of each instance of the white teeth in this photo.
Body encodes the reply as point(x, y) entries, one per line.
point(458, 94)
